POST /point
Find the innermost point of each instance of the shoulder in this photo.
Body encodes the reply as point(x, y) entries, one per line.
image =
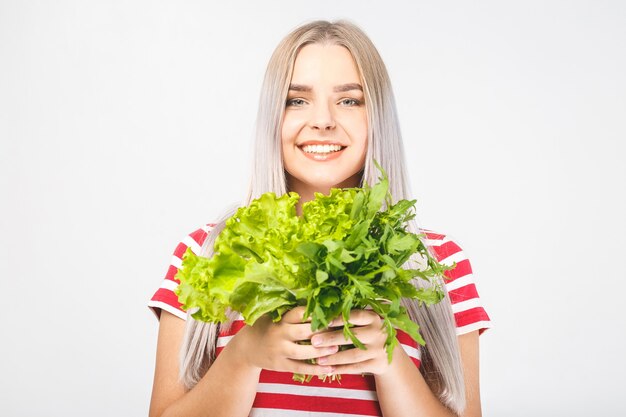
point(460, 282)
point(164, 298)
point(193, 240)
point(442, 245)
point(448, 252)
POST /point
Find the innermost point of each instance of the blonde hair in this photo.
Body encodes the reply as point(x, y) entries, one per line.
point(441, 364)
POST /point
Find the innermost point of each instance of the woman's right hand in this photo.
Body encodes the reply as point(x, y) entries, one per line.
point(274, 346)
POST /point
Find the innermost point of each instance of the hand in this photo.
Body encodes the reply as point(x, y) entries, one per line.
point(368, 328)
point(274, 346)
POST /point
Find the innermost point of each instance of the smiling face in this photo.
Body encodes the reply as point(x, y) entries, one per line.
point(324, 130)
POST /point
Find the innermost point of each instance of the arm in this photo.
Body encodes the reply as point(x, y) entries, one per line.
point(210, 396)
point(401, 388)
point(266, 345)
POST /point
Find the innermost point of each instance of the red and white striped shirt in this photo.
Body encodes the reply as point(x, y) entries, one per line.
point(278, 395)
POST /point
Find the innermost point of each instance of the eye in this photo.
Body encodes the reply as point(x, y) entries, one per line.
point(295, 102)
point(350, 102)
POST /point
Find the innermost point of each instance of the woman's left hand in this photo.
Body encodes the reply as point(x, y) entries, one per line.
point(368, 328)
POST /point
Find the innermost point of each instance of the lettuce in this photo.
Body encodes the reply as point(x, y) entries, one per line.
point(345, 252)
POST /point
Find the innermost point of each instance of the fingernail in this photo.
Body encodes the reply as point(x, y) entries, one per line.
point(316, 341)
point(322, 361)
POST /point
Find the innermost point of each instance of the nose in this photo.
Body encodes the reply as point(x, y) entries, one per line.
point(322, 117)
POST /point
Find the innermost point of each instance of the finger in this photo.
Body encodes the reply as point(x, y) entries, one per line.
point(303, 352)
point(349, 356)
point(298, 332)
point(299, 367)
point(366, 335)
point(331, 338)
point(368, 366)
point(357, 318)
point(295, 315)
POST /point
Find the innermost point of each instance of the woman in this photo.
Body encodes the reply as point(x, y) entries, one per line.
point(326, 112)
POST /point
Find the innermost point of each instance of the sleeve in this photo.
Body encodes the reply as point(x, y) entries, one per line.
point(164, 298)
point(467, 306)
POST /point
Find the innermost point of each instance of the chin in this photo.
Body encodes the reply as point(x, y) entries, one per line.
point(325, 184)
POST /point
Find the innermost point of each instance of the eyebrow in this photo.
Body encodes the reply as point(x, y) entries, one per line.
point(337, 89)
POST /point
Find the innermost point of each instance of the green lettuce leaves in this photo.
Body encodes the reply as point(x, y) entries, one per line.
point(345, 252)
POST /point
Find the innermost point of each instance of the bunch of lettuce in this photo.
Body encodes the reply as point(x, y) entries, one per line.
point(343, 253)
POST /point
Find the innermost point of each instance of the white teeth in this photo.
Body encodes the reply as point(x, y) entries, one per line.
point(321, 148)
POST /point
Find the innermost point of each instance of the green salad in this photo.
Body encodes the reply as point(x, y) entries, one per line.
point(345, 252)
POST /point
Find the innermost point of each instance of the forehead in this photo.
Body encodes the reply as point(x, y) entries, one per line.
point(325, 63)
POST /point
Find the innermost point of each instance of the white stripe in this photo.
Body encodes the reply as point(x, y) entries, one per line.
point(223, 340)
point(207, 228)
point(195, 248)
point(457, 257)
point(473, 326)
point(460, 282)
point(412, 352)
point(273, 412)
point(163, 306)
point(176, 262)
point(312, 391)
point(466, 305)
point(168, 284)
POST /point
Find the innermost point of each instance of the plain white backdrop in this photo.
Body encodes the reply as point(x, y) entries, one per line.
point(124, 125)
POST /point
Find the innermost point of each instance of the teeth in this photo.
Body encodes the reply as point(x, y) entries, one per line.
point(321, 148)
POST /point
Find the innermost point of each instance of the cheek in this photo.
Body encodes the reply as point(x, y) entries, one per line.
point(359, 132)
point(290, 128)
point(289, 132)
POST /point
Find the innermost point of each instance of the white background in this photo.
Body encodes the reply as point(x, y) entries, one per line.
point(125, 125)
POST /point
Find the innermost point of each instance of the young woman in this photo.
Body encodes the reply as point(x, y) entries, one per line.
point(326, 112)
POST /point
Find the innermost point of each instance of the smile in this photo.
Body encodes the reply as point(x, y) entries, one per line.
point(322, 152)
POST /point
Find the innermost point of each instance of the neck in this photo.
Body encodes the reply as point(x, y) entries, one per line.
point(308, 195)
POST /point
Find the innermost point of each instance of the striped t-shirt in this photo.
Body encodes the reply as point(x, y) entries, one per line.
point(355, 395)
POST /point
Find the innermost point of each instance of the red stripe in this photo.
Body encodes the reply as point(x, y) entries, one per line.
point(405, 339)
point(432, 235)
point(445, 250)
point(464, 293)
point(416, 361)
point(461, 269)
point(180, 250)
point(199, 236)
point(359, 382)
point(234, 328)
point(168, 297)
point(473, 315)
point(317, 404)
point(171, 274)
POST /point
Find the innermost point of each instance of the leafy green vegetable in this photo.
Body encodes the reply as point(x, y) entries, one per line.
point(345, 252)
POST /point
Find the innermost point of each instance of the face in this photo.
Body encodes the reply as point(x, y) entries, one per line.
point(324, 131)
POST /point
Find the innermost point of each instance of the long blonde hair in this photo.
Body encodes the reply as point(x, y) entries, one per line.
point(441, 364)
